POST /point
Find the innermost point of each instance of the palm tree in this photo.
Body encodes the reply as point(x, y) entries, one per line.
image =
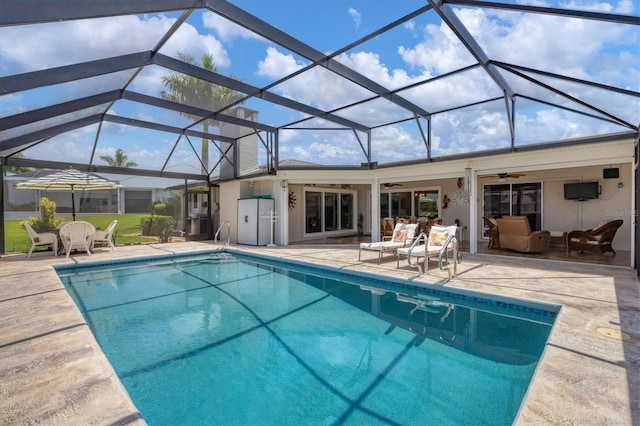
point(199, 93)
point(118, 160)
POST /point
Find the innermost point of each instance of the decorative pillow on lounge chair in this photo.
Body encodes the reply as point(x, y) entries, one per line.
point(399, 236)
point(438, 238)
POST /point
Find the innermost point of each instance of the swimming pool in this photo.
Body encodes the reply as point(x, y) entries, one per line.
point(227, 338)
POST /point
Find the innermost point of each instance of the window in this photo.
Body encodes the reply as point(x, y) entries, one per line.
point(426, 203)
point(409, 203)
point(137, 201)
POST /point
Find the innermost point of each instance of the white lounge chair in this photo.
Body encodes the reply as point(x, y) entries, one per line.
point(41, 239)
point(419, 252)
point(403, 235)
point(106, 236)
point(78, 236)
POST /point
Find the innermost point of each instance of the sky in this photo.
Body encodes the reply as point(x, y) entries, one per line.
point(415, 51)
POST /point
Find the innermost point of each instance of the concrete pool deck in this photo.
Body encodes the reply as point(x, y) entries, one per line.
point(53, 372)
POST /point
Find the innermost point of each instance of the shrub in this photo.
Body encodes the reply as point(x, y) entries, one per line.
point(159, 208)
point(161, 226)
point(47, 219)
point(172, 207)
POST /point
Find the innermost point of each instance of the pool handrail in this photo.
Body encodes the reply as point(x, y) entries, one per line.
point(215, 238)
point(443, 253)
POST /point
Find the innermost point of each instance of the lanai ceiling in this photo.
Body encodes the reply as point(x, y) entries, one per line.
point(311, 83)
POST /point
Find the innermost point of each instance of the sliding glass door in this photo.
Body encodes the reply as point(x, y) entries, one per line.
point(329, 211)
point(313, 211)
point(517, 199)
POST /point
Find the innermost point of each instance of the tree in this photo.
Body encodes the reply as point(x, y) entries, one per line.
point(14, 170)
point(199, 93)
point(118, 160)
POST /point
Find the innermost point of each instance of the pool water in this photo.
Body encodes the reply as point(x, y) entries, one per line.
point(229, 339)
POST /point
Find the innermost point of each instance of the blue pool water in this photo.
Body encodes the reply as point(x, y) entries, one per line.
point(220, 338)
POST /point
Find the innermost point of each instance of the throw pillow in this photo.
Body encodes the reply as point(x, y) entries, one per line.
point(438, 238)
point(399, 236)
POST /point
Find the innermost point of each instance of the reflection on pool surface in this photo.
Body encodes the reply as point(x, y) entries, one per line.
point(232, 339)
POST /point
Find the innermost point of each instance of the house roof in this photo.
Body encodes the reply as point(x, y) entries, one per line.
point(319, 83)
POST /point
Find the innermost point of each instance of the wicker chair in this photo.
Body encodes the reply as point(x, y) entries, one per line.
point(106, 237)
point(41, 239)
point(597, 240)
point(492, 232)
point(77, 236)
point(387, 224)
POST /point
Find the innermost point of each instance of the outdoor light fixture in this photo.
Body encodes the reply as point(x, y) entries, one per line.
point(284, 183)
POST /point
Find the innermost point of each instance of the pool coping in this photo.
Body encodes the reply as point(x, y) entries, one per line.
point(583, 377)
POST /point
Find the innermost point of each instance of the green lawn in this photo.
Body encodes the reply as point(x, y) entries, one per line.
point(127, 231)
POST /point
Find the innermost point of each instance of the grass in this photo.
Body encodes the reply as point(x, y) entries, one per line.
point(127, 231)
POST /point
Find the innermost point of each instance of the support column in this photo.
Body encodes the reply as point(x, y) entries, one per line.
point(375, 210)
point(471, 181)
point(2, 246)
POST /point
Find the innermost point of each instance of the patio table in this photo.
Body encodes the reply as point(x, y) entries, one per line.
point(559, 237)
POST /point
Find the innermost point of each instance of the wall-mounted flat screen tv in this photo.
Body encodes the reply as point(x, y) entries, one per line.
point(581, 191)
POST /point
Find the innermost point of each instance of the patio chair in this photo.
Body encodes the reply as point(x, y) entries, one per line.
point(387, 224)
point(431, 222)
point(77, 236)
point(419, 253)
point(403, 235)
point(515, 234)
point(41, 239)
point(596, 240)
point(105, 237)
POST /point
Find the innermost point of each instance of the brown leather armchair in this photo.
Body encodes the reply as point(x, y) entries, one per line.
point(515, 234)
point(597, 240)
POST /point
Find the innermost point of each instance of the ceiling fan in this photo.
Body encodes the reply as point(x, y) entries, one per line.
point(390, 185)
point(503, 176)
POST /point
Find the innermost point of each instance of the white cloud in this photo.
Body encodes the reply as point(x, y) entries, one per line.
point(438, 52)
point(357, 18)
point(370, 65)
point(225, 29)
point(395, 143)
point(318, 87)
point(187, 39)
point(622, 7)
point(277, 65)
point(35, 47)
point(321, 147)
point(592, 50)
point(54, 44)
point(410, 25)
point(533, 40)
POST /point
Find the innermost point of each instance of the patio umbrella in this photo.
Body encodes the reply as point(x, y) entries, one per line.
point(69, 180)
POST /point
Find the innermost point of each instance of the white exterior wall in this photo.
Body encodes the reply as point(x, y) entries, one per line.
point(552, 167)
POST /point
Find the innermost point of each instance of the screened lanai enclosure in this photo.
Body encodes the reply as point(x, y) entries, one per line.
point(211, 91)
